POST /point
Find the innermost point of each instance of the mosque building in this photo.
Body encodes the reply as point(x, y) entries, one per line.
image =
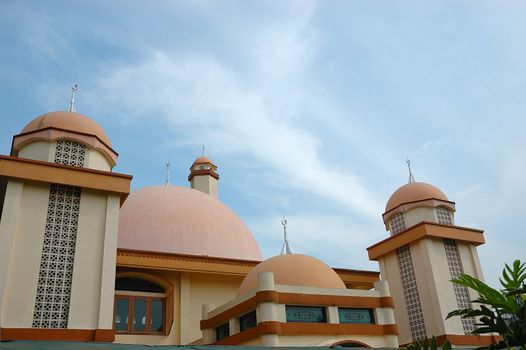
point(83, 259)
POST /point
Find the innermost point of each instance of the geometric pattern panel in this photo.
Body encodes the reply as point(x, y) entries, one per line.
point(444, 216)
point(397, 223)
point(58, 253)
point(70, 153)
point(461, 292)
point(411, 294)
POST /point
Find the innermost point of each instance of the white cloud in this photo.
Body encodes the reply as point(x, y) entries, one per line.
point(212, 102)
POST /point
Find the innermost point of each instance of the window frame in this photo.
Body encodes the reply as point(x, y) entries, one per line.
point(131, 302)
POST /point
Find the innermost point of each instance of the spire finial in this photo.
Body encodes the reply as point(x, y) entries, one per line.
point(74, 89)
point(286, 249)
point(167, 183)
point(411, 177)
point(203, 150)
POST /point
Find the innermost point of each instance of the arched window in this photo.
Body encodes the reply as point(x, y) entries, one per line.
point(143, 304)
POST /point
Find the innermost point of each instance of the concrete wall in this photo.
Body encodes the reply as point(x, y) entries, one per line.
point(23, 222)
point(45, 151)
point(206, 184)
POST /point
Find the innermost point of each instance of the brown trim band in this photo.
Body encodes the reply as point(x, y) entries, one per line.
point(45, 172)
point(422, 230)
point(14, 144)
point(81, 335)
point(298, 299)
point(301, 328)
point(203, 172)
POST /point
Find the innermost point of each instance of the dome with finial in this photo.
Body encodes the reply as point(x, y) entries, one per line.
point(296, 270)
point(180, 220)
point(415, 194)
point(68, 121)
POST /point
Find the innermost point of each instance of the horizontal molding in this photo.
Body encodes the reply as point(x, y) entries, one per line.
point(80, 335)
point(46, 172)
point(296, 299)
point(301, 328)
point(423, 230)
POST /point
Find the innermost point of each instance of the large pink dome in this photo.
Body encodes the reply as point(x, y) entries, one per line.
point(173, 219)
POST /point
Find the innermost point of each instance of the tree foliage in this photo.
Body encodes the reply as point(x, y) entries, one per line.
point(499, 311)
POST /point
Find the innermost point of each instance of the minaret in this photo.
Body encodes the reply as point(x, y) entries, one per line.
point(203, 176)
point(59, 207)
point(424, 252)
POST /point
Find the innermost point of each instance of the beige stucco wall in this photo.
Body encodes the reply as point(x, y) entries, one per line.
point(39, 150)
point(419, 214)
point(93, 232)
point(23, 223)
point(96, 160)
point(206, 184)
point(26, 219)
point(384, 341)
point(45, 151)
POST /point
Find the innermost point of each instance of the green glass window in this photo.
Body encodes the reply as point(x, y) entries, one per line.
point(139, 315)
point(222, 331)
point(121, 315)
point(306, 314)
point(355, 315)
point(248, 321)
point(156, 321)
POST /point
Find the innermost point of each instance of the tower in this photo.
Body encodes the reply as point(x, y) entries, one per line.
point(424, 252)
point(203, 176)
point(59, 209)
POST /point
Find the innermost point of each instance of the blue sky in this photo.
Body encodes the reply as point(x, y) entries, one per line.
point(308, 108)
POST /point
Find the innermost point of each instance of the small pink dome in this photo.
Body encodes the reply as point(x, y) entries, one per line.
point(70, 121)
point(296, 270)
point(413, 192)
point(180, 220)
point(203, 160)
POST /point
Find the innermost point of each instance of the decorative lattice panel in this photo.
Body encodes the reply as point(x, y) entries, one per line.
point(70, 153)
point(397, 223)
point(444, 216)
point(411, 295)
point(58, 252)
point(461, 292)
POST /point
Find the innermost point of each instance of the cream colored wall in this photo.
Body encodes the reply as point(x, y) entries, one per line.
point(109, 262)
point(86, 282)
point(8, 222)
point(45, 151)
point(95, 160)
point(206, 184)
point(39, 150)
point(417, 215)
point(24, 216)
point(206, 289)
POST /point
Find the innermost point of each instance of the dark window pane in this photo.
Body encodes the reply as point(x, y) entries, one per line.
point(157, 316)
point(222, 331)
point(137, 285)
point(248, 321)
point(355, 315)
point(121, 315)
point(139, 315)
point(306, 314)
